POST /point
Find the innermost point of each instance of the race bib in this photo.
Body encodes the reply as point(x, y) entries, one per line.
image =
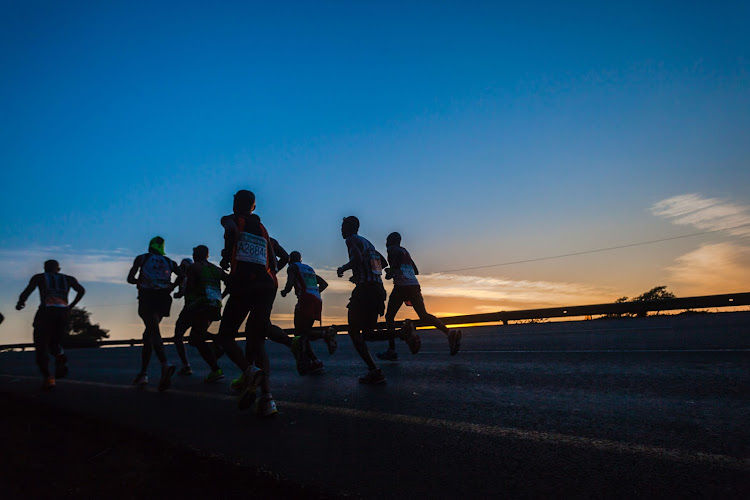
point(408, 272)
point(375, 264)
point(252, 248)
point(213, 293)
point(311, 281)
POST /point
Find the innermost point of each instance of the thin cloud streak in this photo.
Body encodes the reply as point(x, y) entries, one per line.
point(713, 268)
point(92, 267)
point(704, 213)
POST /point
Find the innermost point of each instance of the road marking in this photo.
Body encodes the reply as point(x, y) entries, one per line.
point(575, 351)
point(605, 445)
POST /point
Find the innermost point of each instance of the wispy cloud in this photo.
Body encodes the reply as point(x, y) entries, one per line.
point(713, 268)
point(87, 266)
point(705, 213)
point(518, 292)
point(496, 290)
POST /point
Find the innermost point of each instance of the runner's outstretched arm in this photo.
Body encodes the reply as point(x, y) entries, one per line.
point(133, 271)
point(289, 281)
point(355, 257)
point(33, 283)
point(322, 284)
point(80, 291)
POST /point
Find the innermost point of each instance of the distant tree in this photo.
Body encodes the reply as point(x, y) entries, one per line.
point(81, 327)
point(656, 293)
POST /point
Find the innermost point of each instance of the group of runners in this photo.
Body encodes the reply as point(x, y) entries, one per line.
point(250, 262)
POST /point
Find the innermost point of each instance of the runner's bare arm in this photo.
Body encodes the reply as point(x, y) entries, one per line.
point(179, 272)
point(282, 258)
point(33, 283)
point(322, 284)
point(355, 257)
point(80, 291)
point(133, 270)
point(289, 281)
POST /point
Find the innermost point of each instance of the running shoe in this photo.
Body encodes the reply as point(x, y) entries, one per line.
point(265, 406)
point(296, 349)
point(140, 379)
point(185, 370)
point(214, 376)
point(166, 378)
point(61, 365)
point(388, 355)
point(48, 384)
point(329, 337)
point(304, 367)
point(254, 376)
point(373, 377)
point(454, 340)
point(410, 336)
point(238, 383)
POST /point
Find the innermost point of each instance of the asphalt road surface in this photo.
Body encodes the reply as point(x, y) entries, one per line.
point(645, 407)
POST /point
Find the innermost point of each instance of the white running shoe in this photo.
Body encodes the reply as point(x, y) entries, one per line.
point(266, 406)
point(254, 376)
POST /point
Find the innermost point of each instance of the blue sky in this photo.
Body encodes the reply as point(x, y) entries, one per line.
point(485, 132)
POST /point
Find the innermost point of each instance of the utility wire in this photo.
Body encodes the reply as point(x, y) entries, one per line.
point(591, 251)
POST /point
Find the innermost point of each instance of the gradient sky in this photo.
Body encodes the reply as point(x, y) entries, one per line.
point(484, 132)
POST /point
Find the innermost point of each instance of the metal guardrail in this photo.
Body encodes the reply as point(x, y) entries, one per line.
point(615, 309)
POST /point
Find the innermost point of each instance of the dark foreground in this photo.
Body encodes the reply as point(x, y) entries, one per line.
point(639, 408)
point(49, 453)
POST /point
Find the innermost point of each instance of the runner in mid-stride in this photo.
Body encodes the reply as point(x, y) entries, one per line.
point(307, 287)
point(154, 281)
point(249, 255)
point(51, 320)
point(202, 293)
point(368, 297)
point(179, 333)
point(406, 288)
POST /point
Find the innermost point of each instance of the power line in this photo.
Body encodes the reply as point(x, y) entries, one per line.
point(592, 251)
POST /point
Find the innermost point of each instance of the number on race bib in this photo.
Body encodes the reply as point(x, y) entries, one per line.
point(251, 248)
point(375, 264)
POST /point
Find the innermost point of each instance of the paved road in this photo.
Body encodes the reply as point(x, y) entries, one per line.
point(639, 407)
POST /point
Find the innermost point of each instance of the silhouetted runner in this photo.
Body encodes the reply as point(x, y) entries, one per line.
point(52, 318)
point(202, 293)
point(406, 288)
point(248, 253)
point(154, 281)
point(179, 333)
point(368, 297)
point(307, 287)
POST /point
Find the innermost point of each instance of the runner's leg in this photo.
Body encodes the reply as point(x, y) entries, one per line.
point(180, 328)
point(198, 339)
point(237, 308)
point(419, 308)
point(356, 329)
point(41, 343)
point(394, 304)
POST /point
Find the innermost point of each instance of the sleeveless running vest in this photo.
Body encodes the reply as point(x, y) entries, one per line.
point(307, 280)
point(156, 273)
point(251, 248)
point(404, 272)
point(56, 290)
point(207, 291)
point(370, 269)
